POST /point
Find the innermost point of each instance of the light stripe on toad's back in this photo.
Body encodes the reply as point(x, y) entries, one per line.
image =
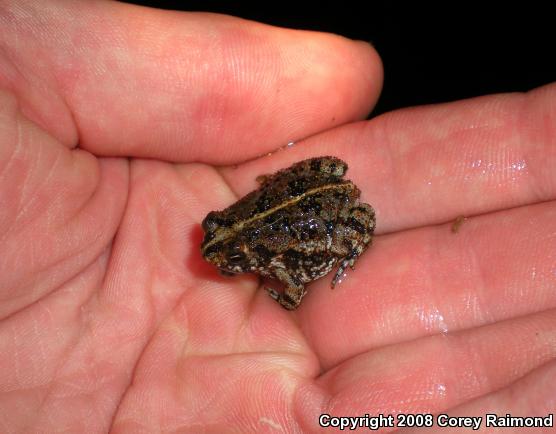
point(346, 186)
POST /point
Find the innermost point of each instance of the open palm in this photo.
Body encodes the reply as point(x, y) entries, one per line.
point(122, 130)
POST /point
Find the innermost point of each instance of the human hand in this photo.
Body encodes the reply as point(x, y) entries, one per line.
point(112, 320)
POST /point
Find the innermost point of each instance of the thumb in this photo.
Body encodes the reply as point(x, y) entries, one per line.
point(124, 80)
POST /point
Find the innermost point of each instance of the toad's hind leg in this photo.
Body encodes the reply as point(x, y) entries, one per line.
point(327, 166)
point(353, 236)
point(293, 293)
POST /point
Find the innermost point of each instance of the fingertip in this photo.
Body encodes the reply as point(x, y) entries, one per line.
point(369, 67)
point(352, 68)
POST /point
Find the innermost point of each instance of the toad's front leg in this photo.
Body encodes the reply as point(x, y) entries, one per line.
point(293, 293)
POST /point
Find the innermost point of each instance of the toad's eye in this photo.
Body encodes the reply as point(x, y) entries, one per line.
point(235, 254)
point(209, 223)
point(213, 221)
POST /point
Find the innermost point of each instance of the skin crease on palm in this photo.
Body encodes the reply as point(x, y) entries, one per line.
point(123, 126)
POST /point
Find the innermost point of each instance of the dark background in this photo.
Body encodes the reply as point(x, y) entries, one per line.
point(430, 54)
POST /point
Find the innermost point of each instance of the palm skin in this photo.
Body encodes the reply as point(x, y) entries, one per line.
point(114, 147)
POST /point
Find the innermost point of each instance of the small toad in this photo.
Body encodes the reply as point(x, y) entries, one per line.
point(300, 223)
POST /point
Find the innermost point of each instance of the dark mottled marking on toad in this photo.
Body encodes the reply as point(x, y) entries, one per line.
point(299, 224)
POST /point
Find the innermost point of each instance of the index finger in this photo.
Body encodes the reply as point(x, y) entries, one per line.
point(428, 165)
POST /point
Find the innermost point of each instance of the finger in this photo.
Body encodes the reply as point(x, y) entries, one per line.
point(428, 165)
point(430, 280)
point(60, 209)
point(529, 397)
point(182, 86)
point(436, 373)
